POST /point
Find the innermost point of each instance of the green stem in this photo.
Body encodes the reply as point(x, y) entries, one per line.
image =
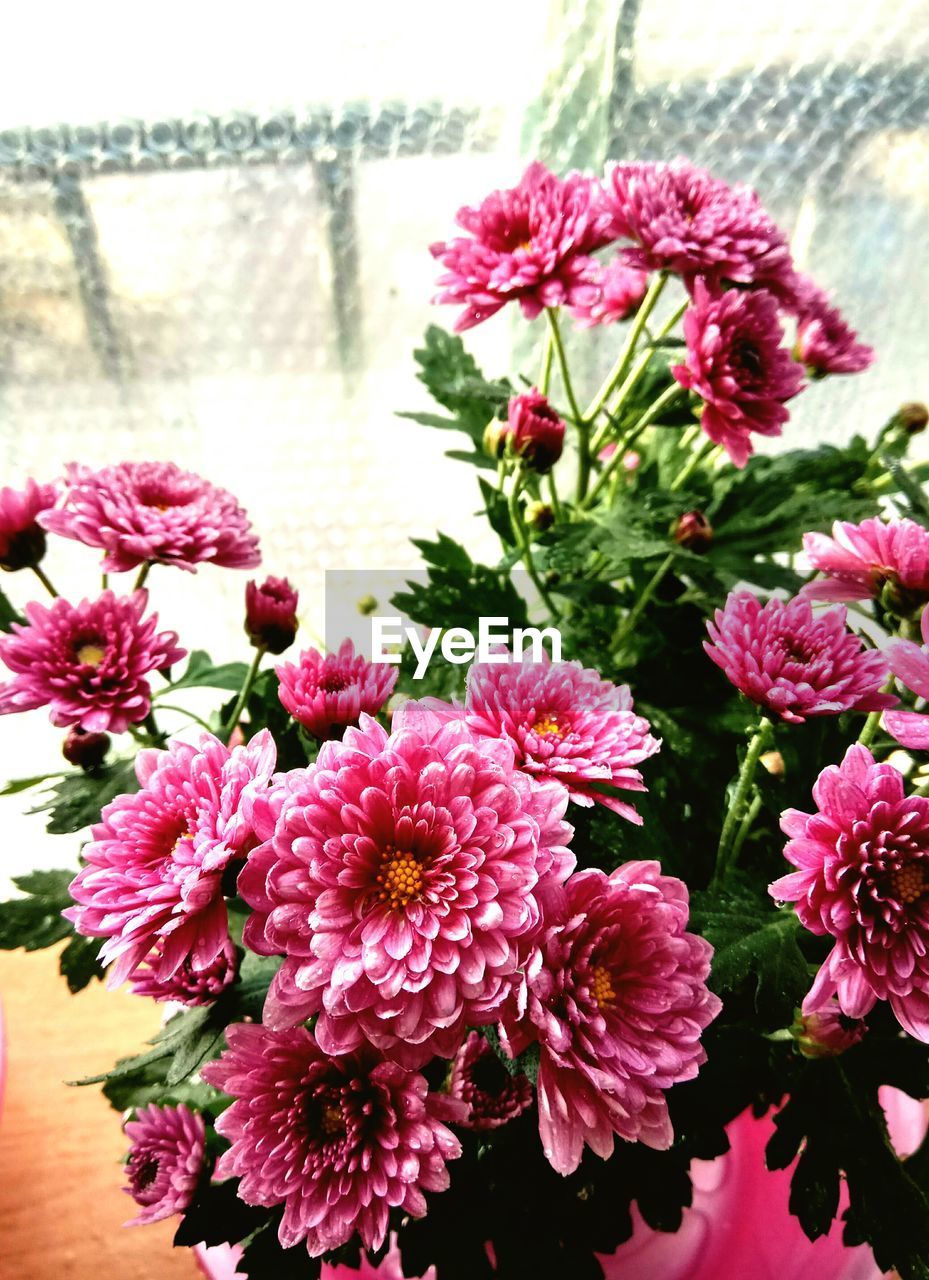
point(638, 608)
point(746, 825)
point(691, 465)
point(553, 494)
point(522, 541)
point(545, 372)
point(44, 579)
point(244, 692)
point(143, 574)
point(169, 706)
point(156, 736)
point(872, 724)
point(653, 411)
point(105, 581)
point(624, 359)
point(734, 818)
point(583, 428)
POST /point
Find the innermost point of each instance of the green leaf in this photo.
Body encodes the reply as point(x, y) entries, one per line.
point(8, 615)
point(35, 921)
point(497, 510)
point(216, 1215)
point(16, 785)
point(76, 801)
point(458, 591)
point(79, 964)
point(202, 672)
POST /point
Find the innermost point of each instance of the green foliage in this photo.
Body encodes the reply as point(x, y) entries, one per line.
point(76, 800)
point(34, 922)
point(8, 615)
point(459, 591)
point(202, 672)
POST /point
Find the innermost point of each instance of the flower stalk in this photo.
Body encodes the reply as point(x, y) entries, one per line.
point(732, 835)
point(244, 692)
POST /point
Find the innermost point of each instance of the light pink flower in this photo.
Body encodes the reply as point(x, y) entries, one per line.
point(339, 1141)
point(86, 662)
point(400, 876)
point(187, 985)
point(165, 1160)
point(534, 430)
point(566, 724)
point(492, 1094)
point(862, 877)
point(153, 512)
point(828, 1032)
point(22, 540)
point(617, 1001)
point(152, 885)
point(529, 244)
point(326, 694)
point(826, 343)
point(737, 366)
point(794, 662)
point(620, 289)
point(860, 560)
point(271, 614)
point(910, 663)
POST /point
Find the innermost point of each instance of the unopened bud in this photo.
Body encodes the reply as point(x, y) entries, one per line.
point(536, 433)
point(913, 417)
point(539, 516)
point(495, 434)
point(773, 761)
point(271, 614)
point(693, 531)
point(827, 1033)
point(87, 750)
point(367, 605)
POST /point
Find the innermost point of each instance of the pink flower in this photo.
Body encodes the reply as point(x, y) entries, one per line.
point(389, 1268)
point(828, 1033)
point(328, 693)
point(566, 724)
point(620, 289)
point(87, 662)
point(826, 343)
point(534, 430)
point(793, 662)
point(153, 512)
point(863, 877)
point(338, 1141)
point(529, 244)
point(492, 1094)
point(684, 220)
point(860, 560)
point(271, 614)
point(400, 876)
point(617, 1001)
point(910, 663)
point(187, 985)
point(22, 540)
point(737, 366)
point(152, 885)
point(693, 530)
point(165, 1160)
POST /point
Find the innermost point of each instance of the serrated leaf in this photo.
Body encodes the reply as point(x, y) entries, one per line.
point(78, 963)
point(16, 785)
point(77, 799)
point(202, 672)
point(216, 1215)
point(34, 921)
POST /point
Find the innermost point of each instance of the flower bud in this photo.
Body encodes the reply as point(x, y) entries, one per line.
point(496, 434)
point(366, 606)
point(87, 750)
point(534, 430)
point(913, 417)
point(827, 1033)
point(539, 516)
point(271, 614)
point(693, 530)
point(773, 761)
point(22, 540)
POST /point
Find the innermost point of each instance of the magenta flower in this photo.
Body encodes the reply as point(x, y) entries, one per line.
point(338, 1141)
point(534, 430)
point(860, 560)
point(684, 220)
point(186, 985)
point(22, 540)
point(826, 343)
point(567, 725)
point(617, 1001)
point(529, 244)
point(620, 289)
point(910, 663)
point(400, 877)
point(737, 366)
point(152, 885)
point(153, 512)
point(165, 1161)
point(325, 694)
point(86, 662)
point(491, 1093)
point(271, 614)
point(863, 877)
point(793, 662)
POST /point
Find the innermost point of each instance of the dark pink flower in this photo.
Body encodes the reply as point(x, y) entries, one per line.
point(328, 693)
point(566, 725)
point(826, 343)
point(86, 662)
point(693, 531)
point(186, 985)
point(620, 289)
point(165, 1161)
point(862, 877)
point(827, 1033)
point(737, 366)
point(860, 560)
point(529, 244)
point(617, 1001)
point(22, 540)
point(534, 430)
point(794, 662)
point(153, 512)
point(492, 1094)
point(910, 664)
point(152, 885)
point(400, 877)
point(389, 1268)
point(340, 1142)
point(271, 614)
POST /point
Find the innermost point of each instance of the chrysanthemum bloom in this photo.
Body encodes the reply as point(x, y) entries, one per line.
point(827, 1033)
point(737, 366)
point(910, 663)
point(826, 342)
point(22, 540)
point(620, 289)
point(861, 560)
point(152, 885)
point(86, 662)
point(165, 1161)
point(534, 430)
point(492, 1094)
point(338, 1141)
point(186, 985)
point(400, 877)
point(566, 724)
point(153, 512)
point(328, 693)
point(794, 662)
point(617, 1000)
point(529, 244)
point(863, 877)
point(271, 614)
point(684, 220)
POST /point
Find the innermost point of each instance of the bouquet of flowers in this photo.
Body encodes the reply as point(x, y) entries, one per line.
point(470, 967)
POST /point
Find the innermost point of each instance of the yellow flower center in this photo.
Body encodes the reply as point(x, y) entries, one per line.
point(332, 1121)
point(91, 655)
point(601, 986)
point(547, 726)
point(400, 877)
point(909, 883)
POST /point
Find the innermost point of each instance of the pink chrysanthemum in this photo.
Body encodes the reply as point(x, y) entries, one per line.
point(737, 366)
point(567, 724)
point(338, 1141)
point(860, 560)
point(492, 1094)
point(863, 877)
point(534, 430)
point(828, 1033)
point(165, 1160)
point(910, 663)
point(620, 289)
point(152, 885)
point(153, 512)
point(186, 985)
point(271, 614)
point(826, 342)
point(329, 693)
point(684, 220)
point(86, 662)
point(793, 662)
point(400, 877)
point(22, 540)
point(530, 243)
point(389, 1268)
point(617, 1000)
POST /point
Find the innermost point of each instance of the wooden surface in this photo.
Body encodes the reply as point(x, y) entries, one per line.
point(61, 1203)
